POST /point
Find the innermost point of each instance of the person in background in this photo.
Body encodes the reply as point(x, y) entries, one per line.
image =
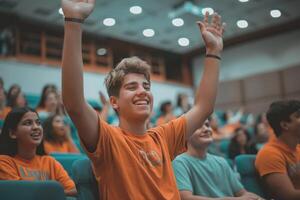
point(241, 143)
point(4, 110)
point(182, 105)
point(201, 175)
point(166, 113)
point(22, 153)
point(278, 161)
point(57, 136)
point(17, 99)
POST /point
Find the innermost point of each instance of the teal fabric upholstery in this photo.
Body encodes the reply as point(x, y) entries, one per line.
point(85, 181)
point(249, 176)
point(67, 160)
point(31, 190)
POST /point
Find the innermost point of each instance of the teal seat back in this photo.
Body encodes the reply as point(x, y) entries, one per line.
point(224, 147)
point(31, 190)
point(67, 160)
point(32, 100)
point(85, 181)
point(249, 176)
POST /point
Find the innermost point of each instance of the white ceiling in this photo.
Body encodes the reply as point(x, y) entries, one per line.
point(129, 27)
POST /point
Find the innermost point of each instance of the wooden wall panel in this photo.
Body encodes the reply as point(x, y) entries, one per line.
point(262, 86)
point(291, 79)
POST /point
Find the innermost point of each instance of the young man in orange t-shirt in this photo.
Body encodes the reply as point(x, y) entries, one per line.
point(129, 161)
point(278, 162)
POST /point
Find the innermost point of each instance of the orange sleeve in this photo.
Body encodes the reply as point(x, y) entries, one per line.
point(270, 160)
point(61, 175)
point(175, 134)
point(8, 169)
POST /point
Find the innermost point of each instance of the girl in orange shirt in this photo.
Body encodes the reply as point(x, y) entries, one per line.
point(57, 137)
point(22, 154)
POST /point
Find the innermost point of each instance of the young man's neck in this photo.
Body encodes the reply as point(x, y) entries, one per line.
point(289, 139)
point(198, 153)
point(136, 126)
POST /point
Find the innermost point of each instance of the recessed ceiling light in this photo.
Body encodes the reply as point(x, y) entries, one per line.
point(242, 23)
point(148, 32)
point(243, 1)
point(177, 22)
point(275, 13)
point(101, 52)
point(109, 21)
point(183, 42)
point(136, 10)
point(209, 10)
point(60, 11)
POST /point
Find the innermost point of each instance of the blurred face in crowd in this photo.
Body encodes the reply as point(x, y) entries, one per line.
point(59, 127)
point(20, 100)
point(202, 137)
point(51, 102)
point(241, 137)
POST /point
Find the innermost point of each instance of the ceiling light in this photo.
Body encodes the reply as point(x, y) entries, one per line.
point(209, 10)
point(243, 1)
point(275, 13)
point(148, 32)
point(242, 24)
point(109, 21)
point(183, 42)
point(60, 11)
point(136, 10)
point(101, 52)
point(177, 22)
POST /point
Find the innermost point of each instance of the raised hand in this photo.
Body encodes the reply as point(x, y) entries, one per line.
point(212, 32)
point(79, 9)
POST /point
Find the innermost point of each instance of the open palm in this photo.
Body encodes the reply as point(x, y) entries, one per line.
point(212, 32)
point(80, 9)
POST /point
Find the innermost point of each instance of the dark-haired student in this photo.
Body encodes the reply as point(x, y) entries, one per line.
point(278, 162)
point(22, 156)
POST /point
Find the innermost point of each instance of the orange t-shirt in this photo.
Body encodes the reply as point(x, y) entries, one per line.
point(130, 166)
point(4, 112)
point(277, 157)
point(39, 168)
point(164, 119)
point(65, 147)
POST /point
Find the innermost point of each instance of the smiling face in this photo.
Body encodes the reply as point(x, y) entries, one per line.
point(135, 99)
point(202, 137)
point(29, 132)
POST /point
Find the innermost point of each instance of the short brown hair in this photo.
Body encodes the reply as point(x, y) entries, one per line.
point(114, 79)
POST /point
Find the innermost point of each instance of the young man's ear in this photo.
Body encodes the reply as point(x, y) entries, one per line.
point(114, 102)
point(284, 125)
point(12, 135)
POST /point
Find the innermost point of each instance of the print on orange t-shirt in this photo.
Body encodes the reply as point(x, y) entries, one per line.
point(277, 157)
point(40, 168)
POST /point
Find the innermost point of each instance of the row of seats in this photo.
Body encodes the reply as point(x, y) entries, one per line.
point(79, 168)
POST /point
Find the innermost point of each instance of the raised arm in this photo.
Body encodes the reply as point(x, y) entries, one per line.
point(81, 113)
point(206, 93)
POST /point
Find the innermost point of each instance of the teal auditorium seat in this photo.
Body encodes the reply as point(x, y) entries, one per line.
point(67, 160)
point(32, 100)
point(31, 190)
point(249, 176)
point(224, 147)
point(86, 184)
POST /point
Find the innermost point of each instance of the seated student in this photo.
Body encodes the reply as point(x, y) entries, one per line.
point(241, 143)
point(201, 175)
point(22, 154)
point(57, 136)
point(4, 110)
point(129, 161)
point(166, 111)
point(278, 162)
